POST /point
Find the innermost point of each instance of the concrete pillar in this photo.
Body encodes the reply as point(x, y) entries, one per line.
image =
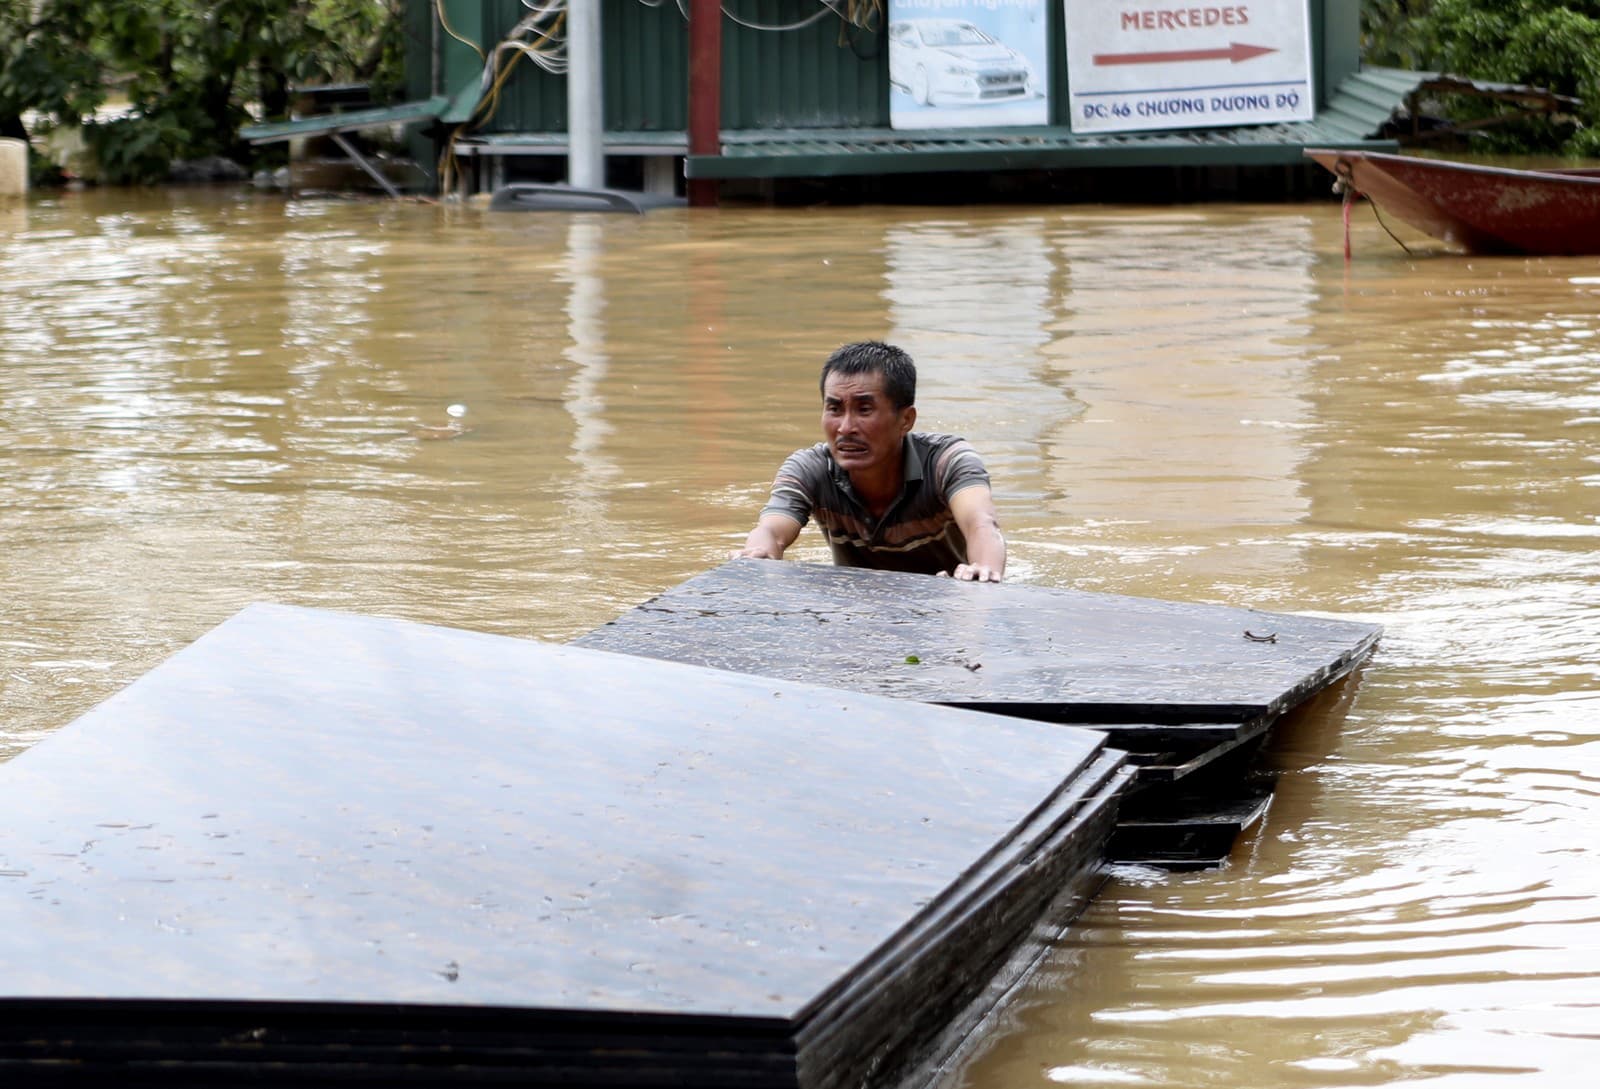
point(13, 168)
point(586, 155)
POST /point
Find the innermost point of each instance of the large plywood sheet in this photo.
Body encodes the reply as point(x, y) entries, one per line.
point(1054, 654)
point(317, 808)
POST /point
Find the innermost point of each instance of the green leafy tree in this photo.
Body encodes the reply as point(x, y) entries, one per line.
point(1386, 37)
point(192, 73)
point(1550, 45)
point(49, 61)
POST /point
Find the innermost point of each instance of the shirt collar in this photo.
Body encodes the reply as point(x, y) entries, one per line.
point(911, 465)
point(910, 470)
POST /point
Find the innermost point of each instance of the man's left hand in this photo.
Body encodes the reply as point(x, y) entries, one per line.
point(972, 572)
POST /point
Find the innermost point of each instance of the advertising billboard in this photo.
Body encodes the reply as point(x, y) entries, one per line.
point(1182, 65)
point(968, 63)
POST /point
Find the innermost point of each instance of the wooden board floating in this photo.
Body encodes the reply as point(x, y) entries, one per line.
point(323, 848)
point(1033, 651)
point(1187, 831)
point(1185, 689)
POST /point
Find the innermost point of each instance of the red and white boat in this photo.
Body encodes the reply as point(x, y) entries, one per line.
point(1481, 209)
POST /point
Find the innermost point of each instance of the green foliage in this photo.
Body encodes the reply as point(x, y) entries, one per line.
point(192, 72)
point(50, 60)
point(1551, 45)
point(43, 174)
point(136, 150)
point(1385, 32)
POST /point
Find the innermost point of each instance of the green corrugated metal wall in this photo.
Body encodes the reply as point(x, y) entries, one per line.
point(821, 75)
point(1336, 26)
point(824, 75)
point(644, 59)
point(419, 78)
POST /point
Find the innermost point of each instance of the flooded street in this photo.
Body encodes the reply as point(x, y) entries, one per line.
point(210, 398)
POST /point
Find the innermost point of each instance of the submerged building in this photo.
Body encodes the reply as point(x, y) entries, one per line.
point(725, 97)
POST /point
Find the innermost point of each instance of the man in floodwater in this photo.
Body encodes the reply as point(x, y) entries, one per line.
point(883, 495)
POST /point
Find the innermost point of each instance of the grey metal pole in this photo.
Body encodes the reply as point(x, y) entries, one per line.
point(586, 157)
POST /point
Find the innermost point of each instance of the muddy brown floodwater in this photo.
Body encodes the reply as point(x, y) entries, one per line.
point(208, 399)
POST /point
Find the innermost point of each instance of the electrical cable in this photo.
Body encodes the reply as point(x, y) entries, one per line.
point(547, 51)
point(807, 21)
point(444, 21)
point(863, 14)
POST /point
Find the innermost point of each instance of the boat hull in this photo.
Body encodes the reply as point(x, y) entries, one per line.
point(1480, 209)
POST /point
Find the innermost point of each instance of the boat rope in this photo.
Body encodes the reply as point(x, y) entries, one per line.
point(1344, 184)
point(1349, 199)
point(1379, 216)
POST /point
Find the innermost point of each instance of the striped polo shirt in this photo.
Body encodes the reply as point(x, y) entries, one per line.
point(917, 533)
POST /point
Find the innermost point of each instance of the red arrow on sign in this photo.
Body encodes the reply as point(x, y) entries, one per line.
point(1236, 52)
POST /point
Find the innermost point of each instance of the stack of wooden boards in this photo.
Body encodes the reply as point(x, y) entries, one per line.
point(319, 849)
point(315, 848)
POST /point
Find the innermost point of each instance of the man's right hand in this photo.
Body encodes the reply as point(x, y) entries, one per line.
point(972, 572)
point(772, 535)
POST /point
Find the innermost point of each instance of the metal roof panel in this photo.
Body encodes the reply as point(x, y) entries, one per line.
point(350, 121)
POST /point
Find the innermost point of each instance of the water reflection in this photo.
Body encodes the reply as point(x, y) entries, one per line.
point(594, 478)
point(208, 399)
point(973, 303)
point(1183, 424)
point(1419, 897)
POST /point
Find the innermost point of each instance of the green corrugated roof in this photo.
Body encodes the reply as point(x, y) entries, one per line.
point(350, 121)
point(839, 152)
point(464, 103)
point(1397, 83)
point(1357, 111)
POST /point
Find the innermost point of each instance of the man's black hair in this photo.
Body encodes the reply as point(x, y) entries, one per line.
point(876, 357)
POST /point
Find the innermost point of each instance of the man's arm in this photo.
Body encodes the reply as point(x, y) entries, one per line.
point(973, 507)
point(773, 534)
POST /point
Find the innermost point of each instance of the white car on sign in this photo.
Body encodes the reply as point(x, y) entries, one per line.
point(938, 61)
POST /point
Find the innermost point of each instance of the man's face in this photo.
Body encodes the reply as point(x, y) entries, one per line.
point(863, 428)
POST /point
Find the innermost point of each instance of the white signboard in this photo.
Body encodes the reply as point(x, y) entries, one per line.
point(968, 63)
point(1177, 65)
